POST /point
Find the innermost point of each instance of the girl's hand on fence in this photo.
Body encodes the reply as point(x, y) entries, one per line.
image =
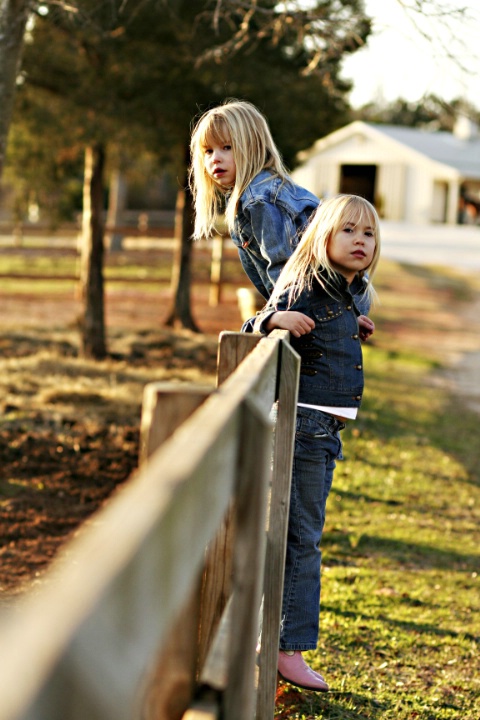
point(295, 322)
point(366, 327)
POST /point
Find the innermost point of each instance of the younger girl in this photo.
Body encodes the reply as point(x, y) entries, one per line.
point(318, 285)
point(237, 167)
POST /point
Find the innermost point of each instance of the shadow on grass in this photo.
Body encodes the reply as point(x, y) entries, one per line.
point(409, 555)
point(407, 625)
point(453, 428)
point(23, 344)
point(291, 702)
point(369, 499)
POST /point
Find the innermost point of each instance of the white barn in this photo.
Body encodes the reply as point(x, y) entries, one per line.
point(411, 175)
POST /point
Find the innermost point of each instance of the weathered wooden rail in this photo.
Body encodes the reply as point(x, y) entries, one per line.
point(152, 610)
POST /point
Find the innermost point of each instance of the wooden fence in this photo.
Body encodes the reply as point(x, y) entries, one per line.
point(152, 610)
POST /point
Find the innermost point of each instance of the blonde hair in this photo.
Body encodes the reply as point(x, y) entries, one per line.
point(310, 257)
point(246, 130)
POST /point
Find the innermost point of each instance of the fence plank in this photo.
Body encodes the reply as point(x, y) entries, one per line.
point(233, 348)
point(171, 681)
point(277, 529)
point(165, 406)
point(170, 684)
point(249, 558)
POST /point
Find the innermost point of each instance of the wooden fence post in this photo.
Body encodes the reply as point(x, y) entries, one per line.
point(165, 407)
point(289, 362)
point(249, 559)
point(217, 587)
point(170, 683)
point(235, 346)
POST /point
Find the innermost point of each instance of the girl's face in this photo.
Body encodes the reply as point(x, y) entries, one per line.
point(220, 163)
point(351, 248)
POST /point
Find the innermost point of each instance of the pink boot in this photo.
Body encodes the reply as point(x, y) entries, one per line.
point(293, 669)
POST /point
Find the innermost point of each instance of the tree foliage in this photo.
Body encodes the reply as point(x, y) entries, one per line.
point(432, 112)
point(125, 73)
point(114, 74)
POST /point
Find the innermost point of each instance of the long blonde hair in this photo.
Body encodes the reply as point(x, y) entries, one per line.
point(246, 129)
point(310, 257)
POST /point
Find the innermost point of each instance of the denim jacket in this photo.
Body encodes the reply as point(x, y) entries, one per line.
point(271, 215)
point(331, 370)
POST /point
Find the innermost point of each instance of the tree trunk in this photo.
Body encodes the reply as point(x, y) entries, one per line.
point(13, 19)
point(92, 322)
point(116, 205)
point(180, 314)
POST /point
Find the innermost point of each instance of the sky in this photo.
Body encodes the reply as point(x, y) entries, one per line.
point(398, 62)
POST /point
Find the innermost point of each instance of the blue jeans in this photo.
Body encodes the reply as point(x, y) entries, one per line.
point(317, 446)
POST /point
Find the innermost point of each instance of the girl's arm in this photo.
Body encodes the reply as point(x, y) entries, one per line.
point(275, 233)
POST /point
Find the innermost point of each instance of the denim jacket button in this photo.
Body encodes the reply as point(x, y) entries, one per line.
point(355, 337)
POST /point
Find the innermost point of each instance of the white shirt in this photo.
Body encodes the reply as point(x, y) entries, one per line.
point(349, 413)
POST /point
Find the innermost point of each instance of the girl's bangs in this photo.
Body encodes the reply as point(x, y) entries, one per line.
point(214, 132)
point(358, 213)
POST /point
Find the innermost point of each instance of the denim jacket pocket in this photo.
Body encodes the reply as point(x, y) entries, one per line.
point(330, 320)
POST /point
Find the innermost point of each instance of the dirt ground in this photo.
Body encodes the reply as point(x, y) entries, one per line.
point(69, 430)
point(65, 448)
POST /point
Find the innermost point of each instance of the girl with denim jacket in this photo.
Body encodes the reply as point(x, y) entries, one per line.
point(319, 285)
point(237, 169)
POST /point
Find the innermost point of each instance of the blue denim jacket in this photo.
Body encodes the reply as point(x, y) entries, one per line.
point(268, 225)
point(331, 370)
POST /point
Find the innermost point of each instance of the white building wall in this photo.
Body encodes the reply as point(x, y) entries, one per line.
point(304, 176)
point(390, 191)
point(450, 193)
point(439, 201)
point(320, 176)
point(423, 195)
point(453, 201)
point(418, 195)
point(327, 179)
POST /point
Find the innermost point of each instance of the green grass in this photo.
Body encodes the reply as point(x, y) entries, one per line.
point(400, 619)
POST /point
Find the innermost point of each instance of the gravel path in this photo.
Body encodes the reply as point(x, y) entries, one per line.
point(464, 374)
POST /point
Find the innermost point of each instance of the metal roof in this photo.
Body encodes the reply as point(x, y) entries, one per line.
point(444, 147)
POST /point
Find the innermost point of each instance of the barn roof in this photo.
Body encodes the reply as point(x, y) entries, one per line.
point(463, 154)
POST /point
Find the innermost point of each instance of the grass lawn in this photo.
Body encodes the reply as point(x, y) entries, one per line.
point(400, 619)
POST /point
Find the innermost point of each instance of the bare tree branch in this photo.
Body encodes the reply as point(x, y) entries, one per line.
point(443, 34)
point(319, 31)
